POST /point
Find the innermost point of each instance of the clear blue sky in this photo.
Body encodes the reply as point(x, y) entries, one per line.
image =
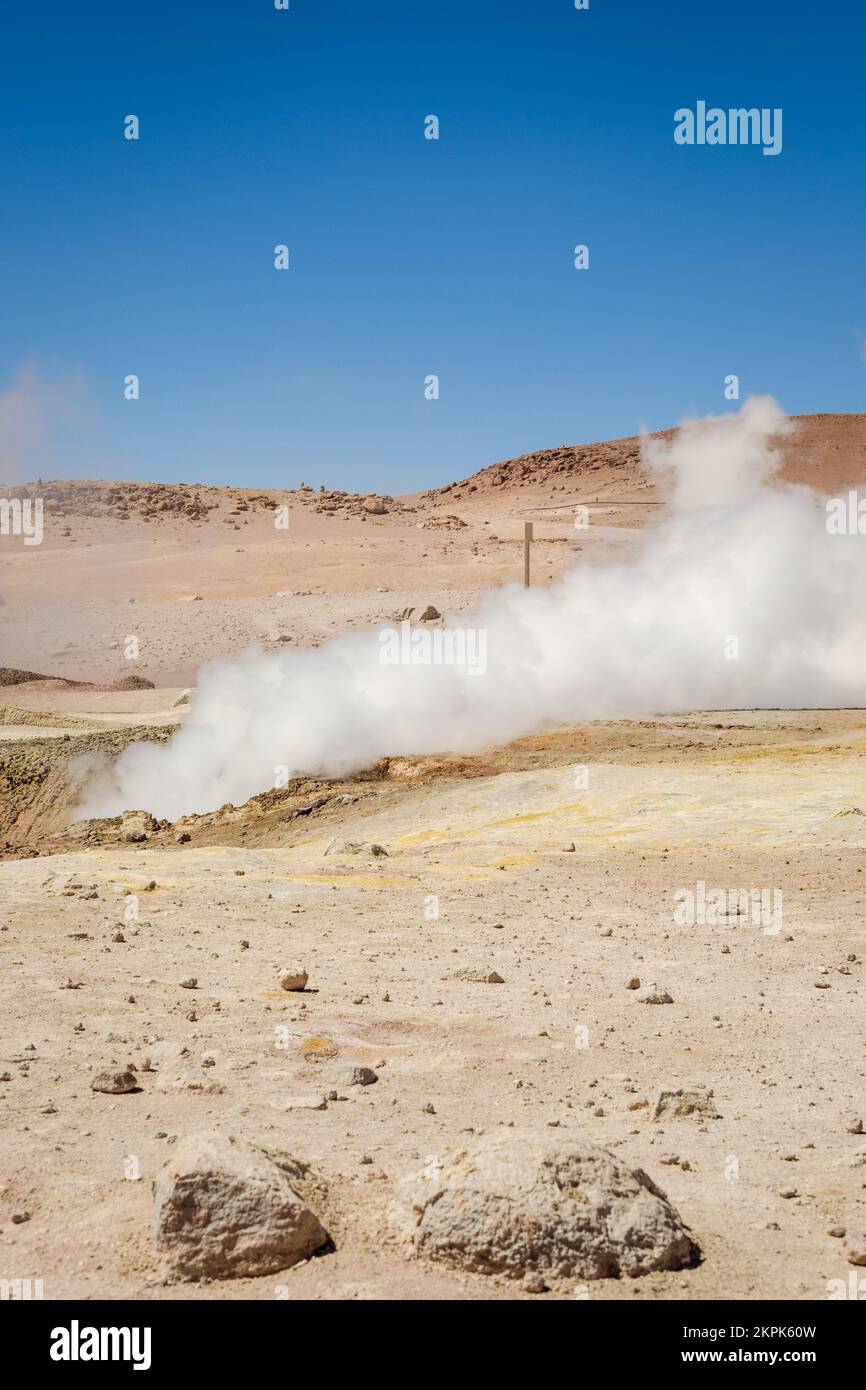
point(411, 256)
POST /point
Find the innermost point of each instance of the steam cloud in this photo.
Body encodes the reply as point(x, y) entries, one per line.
point(34, 411)
point(736, 554)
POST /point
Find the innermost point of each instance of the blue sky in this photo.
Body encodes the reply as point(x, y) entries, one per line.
point(411, 257)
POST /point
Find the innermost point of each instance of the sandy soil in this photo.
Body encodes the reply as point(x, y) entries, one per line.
point(499, 861)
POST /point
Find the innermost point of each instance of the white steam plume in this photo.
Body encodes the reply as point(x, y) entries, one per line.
point(737, 554)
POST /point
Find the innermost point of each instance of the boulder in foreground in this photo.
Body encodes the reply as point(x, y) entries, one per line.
point(516, 1202)
point(228, 1209)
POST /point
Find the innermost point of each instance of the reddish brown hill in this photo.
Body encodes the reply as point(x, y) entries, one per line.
point(826, 451)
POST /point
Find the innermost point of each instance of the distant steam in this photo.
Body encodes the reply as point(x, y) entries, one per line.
point(739, 599)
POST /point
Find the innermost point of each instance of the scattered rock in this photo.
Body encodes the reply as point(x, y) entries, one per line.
point(516, 1202)
point(478, 977)
point(356, 847)
point(294, 979)
point(634, 983)
point(115, 1083)
point(352, 1076)
point(678, 1105)
point(855, 1240)
point(228, 1209)
point(136, 826)
point(652, 994)
point(191, 982)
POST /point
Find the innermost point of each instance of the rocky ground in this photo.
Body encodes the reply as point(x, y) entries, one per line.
point(518, 1057)
point(489, 975)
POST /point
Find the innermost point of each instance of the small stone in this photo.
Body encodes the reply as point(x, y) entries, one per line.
point(294, 979)
point(118, 936)
point(19, 1217)
point(115, 1083)
point(357, 847)
point(654, 995)
point(680, 1104)
point(191, 982)
point(634, 983)
point(354, 1076)
point(854, 1124)
point(788, 1193)
point(478, 977)
point(837, 1232)
point(533, 1282)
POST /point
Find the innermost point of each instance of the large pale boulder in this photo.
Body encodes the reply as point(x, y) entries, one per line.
point(517, 1202)
point(228, 1209)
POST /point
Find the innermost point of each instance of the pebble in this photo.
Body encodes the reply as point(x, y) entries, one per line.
point(294, 979)
point(115, 1083)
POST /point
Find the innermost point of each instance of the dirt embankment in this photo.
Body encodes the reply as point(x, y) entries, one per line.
point(41, 780)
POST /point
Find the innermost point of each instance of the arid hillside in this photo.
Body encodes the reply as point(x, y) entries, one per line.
point(190, 572)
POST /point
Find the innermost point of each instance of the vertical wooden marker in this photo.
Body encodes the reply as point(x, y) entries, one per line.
point(527, 540)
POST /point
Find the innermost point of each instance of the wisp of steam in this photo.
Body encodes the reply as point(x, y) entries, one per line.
point(736, 554)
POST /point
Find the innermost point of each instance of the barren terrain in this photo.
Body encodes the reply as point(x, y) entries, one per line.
point(553, 863)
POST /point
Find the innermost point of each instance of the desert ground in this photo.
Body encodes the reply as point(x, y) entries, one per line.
point(401, 892)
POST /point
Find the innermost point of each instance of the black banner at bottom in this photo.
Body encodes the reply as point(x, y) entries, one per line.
point(226, 1336)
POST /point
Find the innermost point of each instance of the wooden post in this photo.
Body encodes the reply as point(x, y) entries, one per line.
point(527, 538)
